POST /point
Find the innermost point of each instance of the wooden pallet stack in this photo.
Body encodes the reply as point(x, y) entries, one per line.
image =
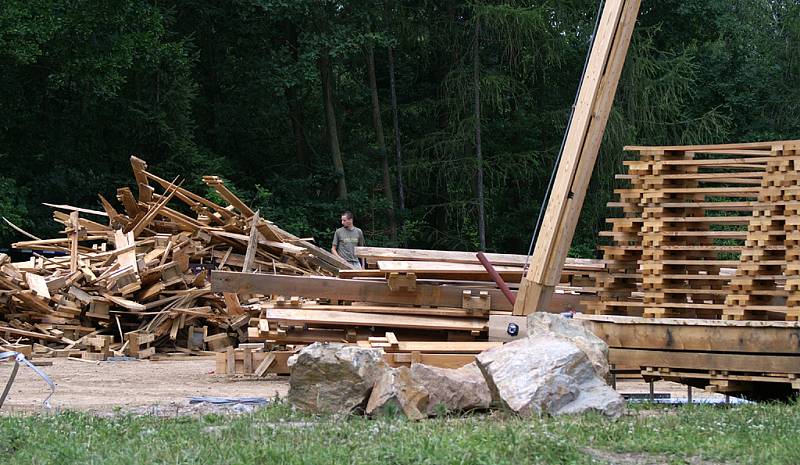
point(138, 277)
point(701, 206)
point(620, 280)
point(720, 240)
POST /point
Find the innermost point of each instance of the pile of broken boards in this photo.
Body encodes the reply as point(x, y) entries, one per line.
point(137, 279)
point(432, 307)
point(560, 368)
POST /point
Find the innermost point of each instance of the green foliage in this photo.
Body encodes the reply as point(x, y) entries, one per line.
point(233, 89)
point(11, 209)
point(742, 434)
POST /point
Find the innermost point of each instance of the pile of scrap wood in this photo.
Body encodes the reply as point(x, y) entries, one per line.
point(424, 305)
point(136, 278)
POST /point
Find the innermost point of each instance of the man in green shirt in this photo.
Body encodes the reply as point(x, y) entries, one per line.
point(346, 239)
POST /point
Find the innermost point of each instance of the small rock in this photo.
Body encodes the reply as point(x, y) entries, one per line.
point(396, 390)
point(333, 378)
point(541, 323)
point(459, 389)
point(546, 375)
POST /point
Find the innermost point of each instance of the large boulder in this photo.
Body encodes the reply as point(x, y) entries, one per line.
point(333, 378)
point(451, 389)
point(396, 391)
point(553, 324)
point(546, 374)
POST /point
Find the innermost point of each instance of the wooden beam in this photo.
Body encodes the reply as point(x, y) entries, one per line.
point(584, 135)
point(326, 317)
point(442, 270)
point(720, 148)
point(346, 289)
point(671, 334)
point(375, 254)
point(30, 334)
point(252, 244)
point(705, 361)
point(74, 232)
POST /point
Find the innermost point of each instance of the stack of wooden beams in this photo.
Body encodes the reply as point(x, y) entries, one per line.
point(757, 359)
point(138, 277)
point(706, 232)
point(435, 304)
point(578, 273)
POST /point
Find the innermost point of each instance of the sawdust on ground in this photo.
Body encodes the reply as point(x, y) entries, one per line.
point(129, 386)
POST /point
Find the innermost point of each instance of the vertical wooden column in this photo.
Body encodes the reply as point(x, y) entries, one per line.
point(581, 145)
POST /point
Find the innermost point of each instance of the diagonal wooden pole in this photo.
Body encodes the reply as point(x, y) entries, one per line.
point(582, 143)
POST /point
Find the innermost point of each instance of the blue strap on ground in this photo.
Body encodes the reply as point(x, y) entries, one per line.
point(20, 359)
point(229, 400)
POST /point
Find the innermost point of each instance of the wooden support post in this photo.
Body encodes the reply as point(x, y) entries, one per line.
point(74, 231)
point(581, 146)
point(252, 245)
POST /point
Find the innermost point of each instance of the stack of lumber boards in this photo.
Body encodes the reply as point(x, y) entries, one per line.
point(706, 232)
point(434, 306)
point(307, 309)
point(251, 360)
point(578, 273)
point(758, 359)
point(136, 278)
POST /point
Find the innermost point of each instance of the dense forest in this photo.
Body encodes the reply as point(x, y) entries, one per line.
point(430, 120)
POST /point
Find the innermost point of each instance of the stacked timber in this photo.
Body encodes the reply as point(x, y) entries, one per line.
point(708, 234)
point(418, 305)
point(755, 359)
point(704, 233)
point(136, 277)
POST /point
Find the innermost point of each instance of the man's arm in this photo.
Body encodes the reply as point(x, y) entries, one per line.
point(335, 243)
point(361, 243)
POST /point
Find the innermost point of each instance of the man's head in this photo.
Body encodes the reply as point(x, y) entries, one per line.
point(347, 219)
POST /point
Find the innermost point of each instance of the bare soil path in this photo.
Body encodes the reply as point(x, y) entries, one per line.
point(107, 387)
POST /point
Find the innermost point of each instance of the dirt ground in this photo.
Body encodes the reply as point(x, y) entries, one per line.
point(144, 386)
point(164, 387)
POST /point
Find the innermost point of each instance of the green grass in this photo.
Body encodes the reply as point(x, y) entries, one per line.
point(758, 434)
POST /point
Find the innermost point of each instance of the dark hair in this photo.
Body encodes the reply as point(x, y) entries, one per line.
point(348, 214)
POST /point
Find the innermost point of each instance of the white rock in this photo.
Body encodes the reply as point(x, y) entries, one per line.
point(541, 323)
point(546, 375)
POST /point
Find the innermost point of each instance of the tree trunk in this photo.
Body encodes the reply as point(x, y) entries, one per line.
point(296, 116)
point(295, 108)
point(326, 76)
point(401, 198)
point(381, 141)
point(476, 77)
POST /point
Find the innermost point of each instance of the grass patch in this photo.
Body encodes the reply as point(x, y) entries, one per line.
point(758, 434)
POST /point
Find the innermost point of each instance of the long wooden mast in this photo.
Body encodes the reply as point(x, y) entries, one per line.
point(582, 143)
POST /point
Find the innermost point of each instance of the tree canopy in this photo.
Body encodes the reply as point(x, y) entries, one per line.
point(265, 93)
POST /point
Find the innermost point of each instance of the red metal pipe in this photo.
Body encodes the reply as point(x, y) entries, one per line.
point(496, 278)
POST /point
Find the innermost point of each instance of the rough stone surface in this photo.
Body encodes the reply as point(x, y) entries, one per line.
point(450, 390)
point(545, 374)
point(541, 323)
point(333, 378)
point(396, 391)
